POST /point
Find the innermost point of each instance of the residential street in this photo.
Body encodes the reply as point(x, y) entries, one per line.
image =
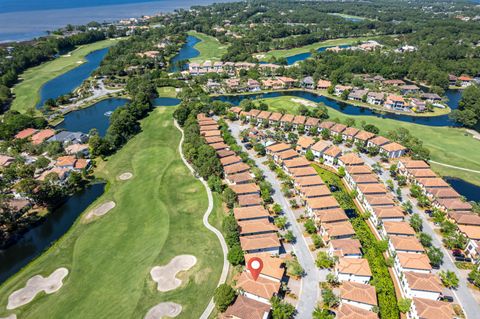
point(462, 294)
point(307, 299)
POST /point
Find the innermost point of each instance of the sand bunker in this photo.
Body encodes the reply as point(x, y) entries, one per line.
point(303, 102)
point(164, 309)
point(100, 210)
point(125, 176)
point(165, 276)
point(12, 316)
point(35, 285)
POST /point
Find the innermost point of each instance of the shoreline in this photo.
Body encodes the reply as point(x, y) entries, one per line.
point(333, 97)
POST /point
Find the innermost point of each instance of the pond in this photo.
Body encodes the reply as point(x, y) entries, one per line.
point(95, 116)
point(350, 109)
point(36, 240)
point(470, 191)
point(186, 52)
point(305, 55)
point(69, 81)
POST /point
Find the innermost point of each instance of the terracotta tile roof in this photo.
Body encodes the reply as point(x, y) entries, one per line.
point(351, 131)
point(246, 308)
point(389, 212)
point(5, 160)
point(211, 133)
point(355, 266)
point(423, 282)
point(256, 226)
point(61, 172)
point(393, 147)
point(315, 191)
point(211, 127)
point(230, 160)
point(364, 179)
point(433, 182)
point(262, 241)
point(372, 188)
point(254, 112)
point(446, 192)
point(66, 160)
point(299, 119)
point(465, 218)
point(235, 109)
point(261, 287)
point(333, 151)
point(414, 164)
point(242, 213)
point(264, 115)
point(414, 261)
point(305, 141)
point(326, 124)
point(240, 189)
point(379, 200)
point(303, 172)
point(343, 228)
point(322, 203)
point(358, 292)
point(358, 170)
point(309, 181)
point(225, 153)
point(207, 122)
point(16, 204)
point(279, 147)
point(331, 215)
point(351, 159)
point(406, 243)
point(296, 162)
point(201, 116)
point(364, 136)
point(236, 168)
point(472, 232)
point(276, 116)
point(346, 311)
point(433, 309)
point(41, 136)
point(272, 266)
point(324, 84)
point(398, 228)
point(219, 146)
point(320, 146)
point(422, 173)
point(288, 154)
point(346, 246)
point(249, 200)
point(338, 128)
point(81, 163)
point(454, 204)
point(26, 133)
point(311, 121)
point(288, 118)
point(379, 141)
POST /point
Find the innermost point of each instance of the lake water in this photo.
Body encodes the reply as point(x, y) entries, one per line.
point(26, 19)
point(69, 81)
point(186, 52)
point(470, 191)
point(350, 109)
point(35, 241)
point(302, 56)
point(91, 117)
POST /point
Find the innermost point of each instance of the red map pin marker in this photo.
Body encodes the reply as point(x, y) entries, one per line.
point(255, 266)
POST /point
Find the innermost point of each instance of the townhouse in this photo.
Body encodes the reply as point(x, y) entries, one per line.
point(405, 262)
point(346, 311)
point(430, 309)
point(246, 308)
point(250, 213)
point(348, 248)
point(353, 269)
point(261, 243)
point(261, 290)
point(420, 285)
point(358, 295)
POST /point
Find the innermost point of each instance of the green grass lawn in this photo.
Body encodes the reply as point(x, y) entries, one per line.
point(158, 216)
point(348, 16)
point(453, 146)
point(210, 48)
point(264, 56)
point(167, 91)
point(27, 92)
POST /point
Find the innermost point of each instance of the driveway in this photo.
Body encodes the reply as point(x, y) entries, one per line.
point(309, 293)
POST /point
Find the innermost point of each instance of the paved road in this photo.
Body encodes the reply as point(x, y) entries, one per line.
point(307, 299)
point(226, 265)
point(462, 293)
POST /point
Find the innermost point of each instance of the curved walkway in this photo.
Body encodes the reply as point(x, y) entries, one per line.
point(223, 276)
point(456, 167)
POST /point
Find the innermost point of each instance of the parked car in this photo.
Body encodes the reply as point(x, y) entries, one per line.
point(447, 298)
point(248, 146)
point(461, 258)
